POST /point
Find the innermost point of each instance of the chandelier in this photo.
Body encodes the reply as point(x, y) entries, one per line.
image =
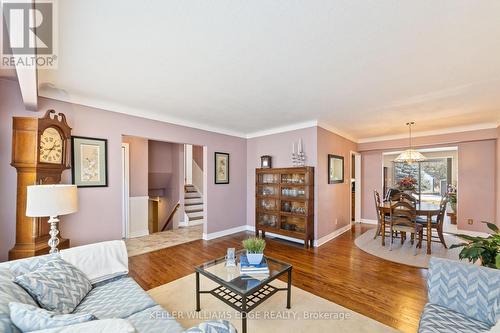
point(410, 155)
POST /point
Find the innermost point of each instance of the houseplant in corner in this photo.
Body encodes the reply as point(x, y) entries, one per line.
point(487, 249)
point(255, 249)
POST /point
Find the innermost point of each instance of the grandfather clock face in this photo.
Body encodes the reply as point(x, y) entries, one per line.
point(51, 146)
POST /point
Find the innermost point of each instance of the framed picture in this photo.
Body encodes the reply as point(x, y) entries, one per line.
point(221, 168)
point(266, 161)
point(89, 161)
point(335, 169)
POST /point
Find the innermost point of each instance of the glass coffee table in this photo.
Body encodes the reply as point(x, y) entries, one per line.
point(242, 292)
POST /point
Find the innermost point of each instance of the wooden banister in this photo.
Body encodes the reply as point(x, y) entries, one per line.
point(172, 213)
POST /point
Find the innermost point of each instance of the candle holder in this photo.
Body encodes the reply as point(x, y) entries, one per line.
point(299, 159)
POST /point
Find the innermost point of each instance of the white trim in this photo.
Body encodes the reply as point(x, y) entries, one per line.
point(332, 235)
point(423, 150)
point(281, 129)
point(139, 211)
point(125, 190)
point(449, 130)
point(61, 95)
point(336, 131)
point(223, 233)
point(369, 221)
point(272, 234)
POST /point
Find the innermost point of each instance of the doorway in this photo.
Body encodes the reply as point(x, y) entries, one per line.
point(355, 182)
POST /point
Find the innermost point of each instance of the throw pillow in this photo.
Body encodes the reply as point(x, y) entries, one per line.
point(31, 318)
point(56, 285)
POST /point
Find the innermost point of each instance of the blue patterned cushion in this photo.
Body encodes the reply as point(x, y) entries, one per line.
point(438, 319)
point(56, 285)
point(10, 292)
point(155, 320)
point(471, 290)
point(117, 299)
point(31, 318)
point(27, 265)
point(213, 326)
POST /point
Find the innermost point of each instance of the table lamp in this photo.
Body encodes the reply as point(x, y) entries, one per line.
point(51, 201)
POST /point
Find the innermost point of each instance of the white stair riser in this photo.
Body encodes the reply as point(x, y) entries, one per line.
point(191, 195)
point(194, 201)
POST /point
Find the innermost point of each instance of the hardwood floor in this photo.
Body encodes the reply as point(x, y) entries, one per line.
point(391, 293)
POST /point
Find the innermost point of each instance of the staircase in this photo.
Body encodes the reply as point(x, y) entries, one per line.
point(193, 206)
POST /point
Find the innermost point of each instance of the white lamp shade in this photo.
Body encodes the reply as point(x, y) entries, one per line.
point(51, 200)
point(410, 156)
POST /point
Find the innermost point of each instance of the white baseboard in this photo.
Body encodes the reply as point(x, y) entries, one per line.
point(296, 240)
point(332, 235)
point(223, 233)
point(369, 221)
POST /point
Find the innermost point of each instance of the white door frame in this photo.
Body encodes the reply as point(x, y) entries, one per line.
point(125, 189)
point(357, 187)
point(188, 164)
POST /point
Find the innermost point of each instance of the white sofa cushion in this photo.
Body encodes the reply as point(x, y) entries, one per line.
point(99, 261)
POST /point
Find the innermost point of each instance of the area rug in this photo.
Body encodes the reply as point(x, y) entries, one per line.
point(164, 239)
point(404, 254)
point(309, 313)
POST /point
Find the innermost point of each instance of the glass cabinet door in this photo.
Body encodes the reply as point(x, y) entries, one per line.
point(293, 178)
point(295, 207)
point(268, 178)
point(268, 204)
point(293, 191)
point(267, 220)
point(267, 190)
point(293, 223)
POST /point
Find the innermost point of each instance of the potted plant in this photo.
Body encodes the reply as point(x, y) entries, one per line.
point(255, 249)
point(487, 249)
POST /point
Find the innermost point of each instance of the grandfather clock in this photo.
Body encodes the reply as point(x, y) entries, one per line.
point(40, 155)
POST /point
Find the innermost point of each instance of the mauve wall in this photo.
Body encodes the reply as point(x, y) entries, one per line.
point(198, 156)
point(476, 184)
point(279, 146)
point(333, 204)
point(138, 165)
point(477, 173)
point(498, 177)
point(100, 214)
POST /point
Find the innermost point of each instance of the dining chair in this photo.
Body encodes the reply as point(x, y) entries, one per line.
point(376, 196)
point(436, 221)
point(403, 219)
point(403, 196)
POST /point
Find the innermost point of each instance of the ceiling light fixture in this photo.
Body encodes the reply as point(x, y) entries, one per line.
point(410, 155)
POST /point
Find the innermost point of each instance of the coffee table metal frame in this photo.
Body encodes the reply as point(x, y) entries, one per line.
point(243, 301)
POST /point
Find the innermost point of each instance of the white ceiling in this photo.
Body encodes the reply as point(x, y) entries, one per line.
point(361, 67)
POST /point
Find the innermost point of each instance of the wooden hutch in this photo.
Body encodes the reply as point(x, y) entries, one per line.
point(284, 202)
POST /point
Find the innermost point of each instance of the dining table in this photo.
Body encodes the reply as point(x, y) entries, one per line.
point(427, 209)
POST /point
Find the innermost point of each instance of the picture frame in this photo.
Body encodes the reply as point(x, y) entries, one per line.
point(221, 161)
point(335, 169)
point(266, 162)
point(89, 161)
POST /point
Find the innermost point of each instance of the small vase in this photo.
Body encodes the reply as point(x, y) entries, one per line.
point(255, 258)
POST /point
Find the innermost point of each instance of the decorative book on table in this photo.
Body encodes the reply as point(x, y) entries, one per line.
point(246, 268)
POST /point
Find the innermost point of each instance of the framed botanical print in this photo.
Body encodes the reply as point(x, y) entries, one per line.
point(335, 169)
point(89, 161)
point(221, 168)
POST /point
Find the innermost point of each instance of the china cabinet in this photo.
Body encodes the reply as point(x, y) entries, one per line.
point(284, 202)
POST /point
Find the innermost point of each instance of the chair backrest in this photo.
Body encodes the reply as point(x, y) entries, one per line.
point(403, 212)
point(471, 290)
point(442, 210)
point(376, 197)
point(390, 192)
point(402, 196)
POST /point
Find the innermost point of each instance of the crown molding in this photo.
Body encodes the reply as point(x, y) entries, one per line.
point(123, 109)
point(282, 129)
point(449, 130)
point(336, 131)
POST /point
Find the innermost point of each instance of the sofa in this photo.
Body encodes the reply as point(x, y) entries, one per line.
point(115, 299)
point(461, 298)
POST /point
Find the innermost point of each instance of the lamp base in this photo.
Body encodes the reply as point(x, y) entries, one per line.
point(54, 240)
